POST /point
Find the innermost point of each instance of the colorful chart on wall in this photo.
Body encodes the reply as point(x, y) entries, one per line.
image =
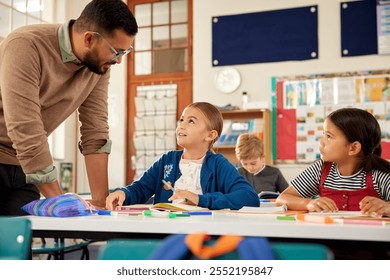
point(303, 102)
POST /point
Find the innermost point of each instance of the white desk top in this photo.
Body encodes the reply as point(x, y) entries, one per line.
point(218, 224)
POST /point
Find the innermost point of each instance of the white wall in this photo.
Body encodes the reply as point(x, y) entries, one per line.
point(256, 78)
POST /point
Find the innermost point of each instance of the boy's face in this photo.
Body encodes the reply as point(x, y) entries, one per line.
point(253, 165)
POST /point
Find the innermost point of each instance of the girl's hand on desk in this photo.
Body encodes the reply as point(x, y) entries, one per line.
point(189, 197)
point(374, 206)
point(114, 199)
point(322, 204)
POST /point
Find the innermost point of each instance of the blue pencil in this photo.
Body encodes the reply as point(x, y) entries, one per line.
point(203, 213)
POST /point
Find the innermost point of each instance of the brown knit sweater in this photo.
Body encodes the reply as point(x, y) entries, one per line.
point(38, 91)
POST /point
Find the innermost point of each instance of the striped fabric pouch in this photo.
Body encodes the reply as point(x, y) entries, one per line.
point(64, 205)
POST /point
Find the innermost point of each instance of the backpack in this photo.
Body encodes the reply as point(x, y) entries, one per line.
point(204, 246)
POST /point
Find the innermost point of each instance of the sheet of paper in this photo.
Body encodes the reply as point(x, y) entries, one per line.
point(264, 210)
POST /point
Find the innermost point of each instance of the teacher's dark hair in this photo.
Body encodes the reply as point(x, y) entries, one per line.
point(105, 16)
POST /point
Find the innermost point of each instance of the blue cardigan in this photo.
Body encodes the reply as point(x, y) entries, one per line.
point(223, 187)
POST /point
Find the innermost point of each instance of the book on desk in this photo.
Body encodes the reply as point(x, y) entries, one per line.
point(137, 209)
point(268, 195)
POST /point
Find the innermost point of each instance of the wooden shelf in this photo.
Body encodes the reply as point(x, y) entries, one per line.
point(264, 114)
point(244, 114)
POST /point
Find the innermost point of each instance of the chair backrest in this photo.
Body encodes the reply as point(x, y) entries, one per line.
point(128, 249)
point(301, 251)
point(142, 249)
point(15, 238)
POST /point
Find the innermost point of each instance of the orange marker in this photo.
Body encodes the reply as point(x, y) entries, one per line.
point(314, 219)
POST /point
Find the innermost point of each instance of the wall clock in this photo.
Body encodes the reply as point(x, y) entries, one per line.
point(227, 80)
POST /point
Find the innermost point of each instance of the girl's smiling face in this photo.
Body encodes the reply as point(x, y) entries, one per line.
point(192, 129)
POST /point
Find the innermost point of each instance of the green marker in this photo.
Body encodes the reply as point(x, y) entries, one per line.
point(182, 214)
point(285, 218)
point(159, 214)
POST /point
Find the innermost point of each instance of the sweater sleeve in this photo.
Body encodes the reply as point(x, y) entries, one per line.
point(20, 81)
point(230, 190)
point(93, 115)
point(145, 187)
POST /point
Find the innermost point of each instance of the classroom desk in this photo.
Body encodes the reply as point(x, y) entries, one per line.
point(375, 239)
point(255, 225)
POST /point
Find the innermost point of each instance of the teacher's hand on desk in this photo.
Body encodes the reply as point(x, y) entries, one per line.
point(50, 189)
point(97, 204)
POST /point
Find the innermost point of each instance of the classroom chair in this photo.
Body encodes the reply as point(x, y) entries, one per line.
point(128, 249)
point(142, 249)
point(15, 238)
point(57, 248)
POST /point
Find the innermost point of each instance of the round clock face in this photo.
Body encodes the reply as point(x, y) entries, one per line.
point(227, 80)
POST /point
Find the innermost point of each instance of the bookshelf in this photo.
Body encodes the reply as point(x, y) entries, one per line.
point(262, 125)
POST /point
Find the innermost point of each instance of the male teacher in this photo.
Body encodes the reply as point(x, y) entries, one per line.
point(47, 72)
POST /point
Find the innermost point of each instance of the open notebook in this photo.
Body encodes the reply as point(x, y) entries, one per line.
point(171, 207)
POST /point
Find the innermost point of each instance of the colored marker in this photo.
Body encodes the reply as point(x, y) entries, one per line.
point(159, 214)
point(103, 212)
point(264, 200)
point(286, 218)
point(314, 219)
point(181, 214)
point(200, 213)
point(361, 222)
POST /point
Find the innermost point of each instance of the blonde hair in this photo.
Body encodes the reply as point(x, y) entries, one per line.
point(214, 120)
point(249, 146)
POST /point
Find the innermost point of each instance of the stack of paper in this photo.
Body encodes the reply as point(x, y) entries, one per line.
point(264, 210)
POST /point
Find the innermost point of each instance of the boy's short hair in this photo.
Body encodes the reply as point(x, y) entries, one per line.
point(249, 146)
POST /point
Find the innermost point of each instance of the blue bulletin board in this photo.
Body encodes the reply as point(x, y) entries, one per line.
point(358, 28)
point(280, 35)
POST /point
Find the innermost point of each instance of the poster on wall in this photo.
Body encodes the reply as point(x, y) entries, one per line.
point(383, 28)
point(308, 100)
point(299, 93)
point(310, 121)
